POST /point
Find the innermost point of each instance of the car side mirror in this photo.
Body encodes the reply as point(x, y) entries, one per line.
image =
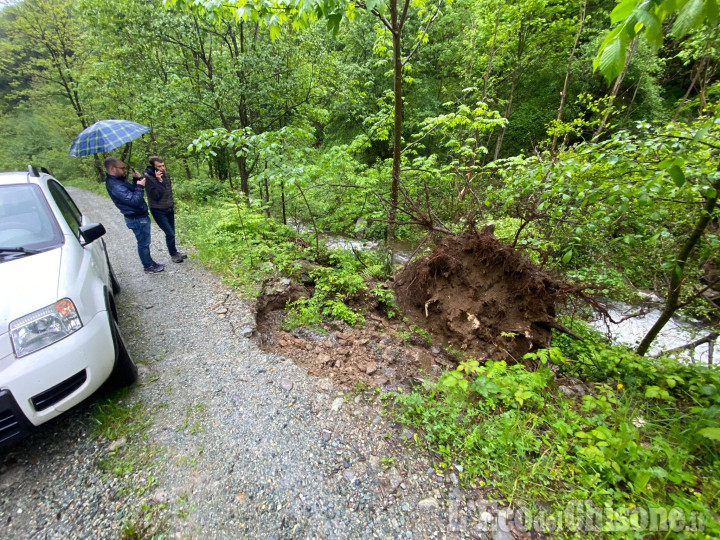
point(91, 232)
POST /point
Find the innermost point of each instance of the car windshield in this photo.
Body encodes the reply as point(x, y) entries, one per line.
point(27, 224)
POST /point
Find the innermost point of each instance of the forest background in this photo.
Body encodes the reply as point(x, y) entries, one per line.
point(392, 121)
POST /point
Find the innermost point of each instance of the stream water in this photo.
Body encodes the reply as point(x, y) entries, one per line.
point(401, 251)
point(676, 333)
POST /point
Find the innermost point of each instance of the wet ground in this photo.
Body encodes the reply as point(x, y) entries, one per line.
point(472, 294)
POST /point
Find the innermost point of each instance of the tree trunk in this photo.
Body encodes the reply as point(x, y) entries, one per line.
point(267, 197)
point(397, 125)
point(488, 70)
point(492, 55)
point(615, 90)
point(563, 95)
point(704, 81)
point(239, 52)
point(501, 136)
point(699, 68)
point(676, 278)
point(187, 168)
point(522, 36)
point(244, 174)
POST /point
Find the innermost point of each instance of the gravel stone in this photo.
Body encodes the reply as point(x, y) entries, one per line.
point(337, 404)
point(227, 455)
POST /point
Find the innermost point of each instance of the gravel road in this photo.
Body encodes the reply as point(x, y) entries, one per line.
point(238, 443)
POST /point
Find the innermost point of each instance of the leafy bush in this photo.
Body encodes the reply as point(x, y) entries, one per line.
point(643, 435)
point(248, 248)
point(199, 190)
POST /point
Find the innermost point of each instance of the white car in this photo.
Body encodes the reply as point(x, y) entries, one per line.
point(59, 337)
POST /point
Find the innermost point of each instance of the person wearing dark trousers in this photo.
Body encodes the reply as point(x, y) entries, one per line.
point(161, 202)
point(129, 199)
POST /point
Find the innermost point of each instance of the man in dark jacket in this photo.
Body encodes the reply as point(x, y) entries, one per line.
point(162, 204)
point(129, 199)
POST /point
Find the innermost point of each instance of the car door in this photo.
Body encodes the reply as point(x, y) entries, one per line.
point(84, 272)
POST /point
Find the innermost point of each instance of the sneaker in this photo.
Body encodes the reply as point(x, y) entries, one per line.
point(154, 268)
point(178, 258)
point(183, 255)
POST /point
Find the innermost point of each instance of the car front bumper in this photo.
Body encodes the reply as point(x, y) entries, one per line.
point(54, 379)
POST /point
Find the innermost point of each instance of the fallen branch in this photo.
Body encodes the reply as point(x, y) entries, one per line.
point(565, 330)
point(710, 338)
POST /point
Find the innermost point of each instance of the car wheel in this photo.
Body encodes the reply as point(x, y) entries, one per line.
point(125, 371)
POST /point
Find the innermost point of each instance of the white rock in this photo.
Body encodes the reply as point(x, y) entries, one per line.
point(337, 404)
point(428, 504)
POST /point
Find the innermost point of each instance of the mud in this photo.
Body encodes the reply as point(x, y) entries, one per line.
point(478, 295)
point(380, 354)
point(473, 294)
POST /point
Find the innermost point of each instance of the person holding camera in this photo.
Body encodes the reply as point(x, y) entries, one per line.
point(129, 199)
point(162, 205)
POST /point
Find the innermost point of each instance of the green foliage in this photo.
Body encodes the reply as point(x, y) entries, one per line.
point(115, 418)
point(635, 17)
point(510, 428)
point(303, 312)
point(386, 298)
point(240, 241)
point(630, 202)
point(658, 378)
point(200, 191)
point(339, 311)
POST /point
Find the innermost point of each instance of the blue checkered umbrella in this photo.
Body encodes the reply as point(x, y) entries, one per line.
point(106, 135)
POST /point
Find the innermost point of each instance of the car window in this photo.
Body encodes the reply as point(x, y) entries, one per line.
point(26, 220)
point(67, 206)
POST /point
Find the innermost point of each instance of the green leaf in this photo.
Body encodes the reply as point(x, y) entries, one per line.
point(689, 17)
point(641, 480)
point(653, 28)
point(702, 131)
point(711, 11)
point(611, 59)
point(622, 10)
point(592, 451)
point(566, 258)
point(658, 472)
point(711, 433)
point(677, 175)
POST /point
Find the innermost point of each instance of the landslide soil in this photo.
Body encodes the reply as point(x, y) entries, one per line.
point(472, 294)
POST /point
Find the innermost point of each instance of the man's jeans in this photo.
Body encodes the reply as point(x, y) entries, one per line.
point(165, 218)
point(141, 228)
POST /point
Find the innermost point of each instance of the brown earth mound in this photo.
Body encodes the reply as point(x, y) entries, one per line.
point(380, 353)
point(476, 294)
point(472, 293)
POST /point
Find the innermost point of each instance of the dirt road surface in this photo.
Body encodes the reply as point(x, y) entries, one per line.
point(232, 442)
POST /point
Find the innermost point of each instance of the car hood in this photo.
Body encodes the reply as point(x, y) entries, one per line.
point(27, 284)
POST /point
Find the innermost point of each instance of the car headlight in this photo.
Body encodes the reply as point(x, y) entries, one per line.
point(44, 327)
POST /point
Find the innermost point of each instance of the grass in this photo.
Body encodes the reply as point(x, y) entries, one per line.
point(89, 184)
point(135, 463)
point(194, 415)
point(510, 432)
